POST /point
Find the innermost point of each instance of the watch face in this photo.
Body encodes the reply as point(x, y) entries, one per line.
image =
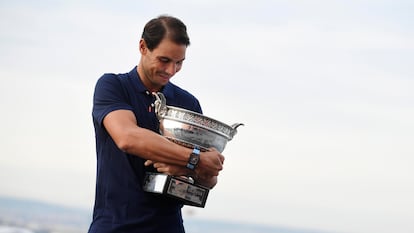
point(193, 159)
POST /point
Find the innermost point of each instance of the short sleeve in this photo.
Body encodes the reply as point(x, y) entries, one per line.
point(109, 96)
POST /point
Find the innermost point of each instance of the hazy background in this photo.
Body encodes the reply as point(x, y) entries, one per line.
point(325, 89)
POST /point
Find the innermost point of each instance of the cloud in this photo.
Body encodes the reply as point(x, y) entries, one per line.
point(324, 91)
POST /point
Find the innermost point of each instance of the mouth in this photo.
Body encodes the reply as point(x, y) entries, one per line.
point(164, 76)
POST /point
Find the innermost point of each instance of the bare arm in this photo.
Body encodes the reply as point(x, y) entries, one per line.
point(129, 137)
point(199, 176)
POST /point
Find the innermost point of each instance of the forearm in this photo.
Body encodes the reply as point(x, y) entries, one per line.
point(151, 146)
point(132, 139)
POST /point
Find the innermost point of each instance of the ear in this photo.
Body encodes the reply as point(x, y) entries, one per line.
point(143, 46)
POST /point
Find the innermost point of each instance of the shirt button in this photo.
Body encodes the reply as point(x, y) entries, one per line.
point(148, 93)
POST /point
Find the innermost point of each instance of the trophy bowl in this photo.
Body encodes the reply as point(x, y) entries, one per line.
point(190, 128)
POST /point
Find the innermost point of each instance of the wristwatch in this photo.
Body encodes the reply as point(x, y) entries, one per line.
point(194, 158)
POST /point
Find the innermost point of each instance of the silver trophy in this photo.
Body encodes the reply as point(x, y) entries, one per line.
point(189, 129)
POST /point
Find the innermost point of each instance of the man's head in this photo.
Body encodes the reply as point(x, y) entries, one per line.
point(165, 27)
point(162, 47)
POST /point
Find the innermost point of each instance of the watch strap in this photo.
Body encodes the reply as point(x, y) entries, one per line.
point(194, 158)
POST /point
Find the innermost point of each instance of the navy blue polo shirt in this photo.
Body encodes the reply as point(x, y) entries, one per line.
point(120, 203)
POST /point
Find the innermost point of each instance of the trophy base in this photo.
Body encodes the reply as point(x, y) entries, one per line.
point(179, 188)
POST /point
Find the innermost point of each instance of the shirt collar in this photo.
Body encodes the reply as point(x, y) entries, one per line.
point(167, 90)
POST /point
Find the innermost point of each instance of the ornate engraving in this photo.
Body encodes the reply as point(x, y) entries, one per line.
point(191, 128)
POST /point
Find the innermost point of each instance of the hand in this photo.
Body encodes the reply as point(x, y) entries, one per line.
point(168, 169)
point(211, 163)
point(207, 181)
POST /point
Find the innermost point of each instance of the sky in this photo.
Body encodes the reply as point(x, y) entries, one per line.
point(324, 89)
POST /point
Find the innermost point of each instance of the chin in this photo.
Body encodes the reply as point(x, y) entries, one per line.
point(164, 81)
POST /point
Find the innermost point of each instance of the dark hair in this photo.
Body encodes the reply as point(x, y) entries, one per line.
point(162, 27)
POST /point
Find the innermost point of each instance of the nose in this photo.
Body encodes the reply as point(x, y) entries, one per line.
point(172, 68)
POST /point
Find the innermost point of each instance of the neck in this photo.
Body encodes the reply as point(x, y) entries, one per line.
point(146, 82)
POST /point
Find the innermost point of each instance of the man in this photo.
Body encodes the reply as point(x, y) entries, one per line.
point(128, 142)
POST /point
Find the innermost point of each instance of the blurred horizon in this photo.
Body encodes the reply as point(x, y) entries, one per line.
point(324, 88)
point(27, 216)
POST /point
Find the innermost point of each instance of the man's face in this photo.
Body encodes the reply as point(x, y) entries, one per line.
point(160, 64)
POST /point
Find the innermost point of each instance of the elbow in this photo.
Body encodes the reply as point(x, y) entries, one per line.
point(208, 182)
point(124, 143)
point(131, 145)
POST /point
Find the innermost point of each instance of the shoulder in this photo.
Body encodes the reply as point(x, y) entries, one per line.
point(112, 81)
point(178, 97)
point(110, 78)
point(180, 93)
point(111, 85)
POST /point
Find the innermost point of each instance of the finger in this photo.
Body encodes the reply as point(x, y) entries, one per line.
point(148, 163)
point(160, 169)
point(164, 170)
point(159, 165)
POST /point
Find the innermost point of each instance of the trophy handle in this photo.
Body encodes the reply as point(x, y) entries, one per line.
point(235, 125)
point(234, 131)
point(160, 104)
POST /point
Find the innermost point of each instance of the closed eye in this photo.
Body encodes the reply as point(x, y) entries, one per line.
point(164, 59)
